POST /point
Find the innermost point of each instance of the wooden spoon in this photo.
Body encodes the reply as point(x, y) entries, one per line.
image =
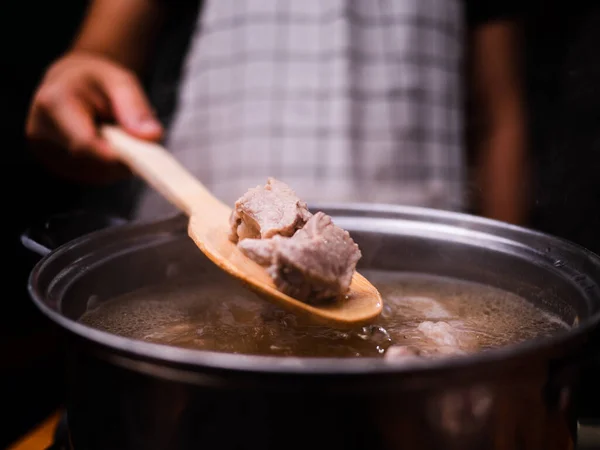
point(209, 228)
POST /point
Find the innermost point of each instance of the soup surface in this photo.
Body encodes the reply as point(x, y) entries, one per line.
point(437, 316)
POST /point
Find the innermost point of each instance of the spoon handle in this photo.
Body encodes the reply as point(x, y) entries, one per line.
point(158, 168)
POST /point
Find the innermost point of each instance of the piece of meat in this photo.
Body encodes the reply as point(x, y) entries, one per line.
point(308, 257)
point(448, 339)
point(427, 307)
point(400, 352)
point(266, 211)
point(317, 263)
point(260, 250)
point(442, 333)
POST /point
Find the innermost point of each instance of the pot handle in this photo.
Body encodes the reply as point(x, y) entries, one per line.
point(51, 233)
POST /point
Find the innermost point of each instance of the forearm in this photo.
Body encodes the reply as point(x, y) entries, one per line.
point(503, 171)
point(124, 31)
point(502, 144)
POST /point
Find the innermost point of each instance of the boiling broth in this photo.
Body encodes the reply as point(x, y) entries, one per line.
point(217, 314)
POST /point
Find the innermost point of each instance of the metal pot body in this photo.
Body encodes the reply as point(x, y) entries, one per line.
point(126, 394)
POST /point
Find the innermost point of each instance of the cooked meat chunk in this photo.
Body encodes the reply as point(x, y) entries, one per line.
point(315, 264)
point(308, 257)
point(448, 338)
point(266, 211)
point(260, 250)
point(442, 333)
point(399, 352)
point(427, 307)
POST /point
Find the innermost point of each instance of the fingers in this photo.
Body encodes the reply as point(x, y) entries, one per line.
point(76, 121)
point(68, 122)
point(79, 91)
point(130, 106)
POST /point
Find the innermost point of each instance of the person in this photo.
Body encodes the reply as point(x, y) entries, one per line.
point(345, 100)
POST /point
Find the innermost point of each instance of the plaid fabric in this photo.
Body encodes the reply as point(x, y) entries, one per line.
point(344, 100)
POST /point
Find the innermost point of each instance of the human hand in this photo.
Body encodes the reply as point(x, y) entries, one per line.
point(77, 92)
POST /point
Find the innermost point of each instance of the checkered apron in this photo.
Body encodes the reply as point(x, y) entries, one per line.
point(344, 100)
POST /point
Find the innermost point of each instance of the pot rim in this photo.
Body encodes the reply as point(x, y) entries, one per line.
point(312, 365)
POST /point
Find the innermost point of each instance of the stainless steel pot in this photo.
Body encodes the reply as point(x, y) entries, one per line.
point(126, 394)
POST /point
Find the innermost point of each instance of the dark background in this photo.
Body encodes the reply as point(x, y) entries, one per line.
point(30, 378)
point(563, 92)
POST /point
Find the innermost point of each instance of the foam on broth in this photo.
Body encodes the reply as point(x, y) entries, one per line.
point(217, 314)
